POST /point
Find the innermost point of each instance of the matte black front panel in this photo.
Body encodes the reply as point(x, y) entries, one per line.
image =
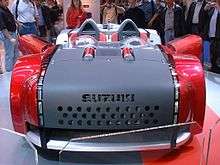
point(107, 93)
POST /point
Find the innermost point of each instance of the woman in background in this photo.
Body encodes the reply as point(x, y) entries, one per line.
point(75, 15)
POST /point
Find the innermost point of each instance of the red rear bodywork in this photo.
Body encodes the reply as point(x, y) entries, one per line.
point(23, 92)
point(182, 53)
point(188, 45)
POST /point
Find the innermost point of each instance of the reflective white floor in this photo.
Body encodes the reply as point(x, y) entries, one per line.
point(213, 100)
point(213, 91)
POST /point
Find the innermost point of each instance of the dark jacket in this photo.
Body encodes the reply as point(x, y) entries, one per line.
point(149, 9)
point(189, 18)
point(157, 23)
point(55, 12)
point(179, 21)
point(7, 20)
point(136, 15)
point(208, 15)
point(46, 15)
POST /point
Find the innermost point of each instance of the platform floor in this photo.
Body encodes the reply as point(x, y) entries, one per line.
point(132, 158)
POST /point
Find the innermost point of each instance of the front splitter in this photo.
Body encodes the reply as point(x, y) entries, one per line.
point(63, 145)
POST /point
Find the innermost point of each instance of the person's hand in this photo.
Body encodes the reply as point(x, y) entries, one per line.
point(213, 5)
point(150, 23)
point(13, 41)
point(210, 5)
point(79, 16)
point(18, 24)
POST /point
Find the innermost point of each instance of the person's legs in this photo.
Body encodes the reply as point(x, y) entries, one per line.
point(195, 29)
point(53, 34)
point(166, 36)
point(15, 49)
point(42, 31)
point(218, 54)
point(11, 53)
point(214, 54)
point(1, 53)
point(172, 36)
point(169, 35)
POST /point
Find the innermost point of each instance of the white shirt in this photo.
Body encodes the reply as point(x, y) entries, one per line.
point(27, 12)
point(196, 12)
point(213, 23)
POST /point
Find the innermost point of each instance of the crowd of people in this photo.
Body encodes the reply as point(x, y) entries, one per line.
point(36, 17)
point(26, 17)
point(171, 19)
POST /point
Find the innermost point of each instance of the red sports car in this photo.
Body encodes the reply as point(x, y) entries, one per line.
point(108, 88)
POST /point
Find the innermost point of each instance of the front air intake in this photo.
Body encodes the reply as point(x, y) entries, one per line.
point(107, 118)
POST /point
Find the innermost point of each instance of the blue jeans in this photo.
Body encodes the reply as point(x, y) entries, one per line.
point(169, 35)
point(11, 51)
point(28, 28)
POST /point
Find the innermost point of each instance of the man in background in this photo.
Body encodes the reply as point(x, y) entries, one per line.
point(44, 22)
point(172, 20)
point(8, 35)
point(55, 14)
point(212, 33)
point(194, 21)
point(110, 12)
point(135, 14)
point(155, 22)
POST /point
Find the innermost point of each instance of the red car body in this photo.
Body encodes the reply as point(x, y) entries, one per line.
point(184, 54)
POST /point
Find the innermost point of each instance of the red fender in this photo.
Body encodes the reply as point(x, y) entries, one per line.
point(184, 54)
point(24, 82)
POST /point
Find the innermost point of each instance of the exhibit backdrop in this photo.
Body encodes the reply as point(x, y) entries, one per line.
point(91, 6)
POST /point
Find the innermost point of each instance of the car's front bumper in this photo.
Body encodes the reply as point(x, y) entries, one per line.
point(108, 146)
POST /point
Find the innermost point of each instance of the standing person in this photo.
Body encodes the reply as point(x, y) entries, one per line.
point(149, 9)
point(8, 35)
point(186, 4)
point(25, 12)
point(155, 22)
point(44, 22)
point(110, 12)
point(55, 13)
point(75, 15)
point(212, 32)
point(172, 20)
point(55, 10)
point(194, 21)
point(135, 14)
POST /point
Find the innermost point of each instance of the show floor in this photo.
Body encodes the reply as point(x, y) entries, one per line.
point(132, 158)
point(213, 91)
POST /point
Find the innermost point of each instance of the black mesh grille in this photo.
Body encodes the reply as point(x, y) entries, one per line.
point(126, 117)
